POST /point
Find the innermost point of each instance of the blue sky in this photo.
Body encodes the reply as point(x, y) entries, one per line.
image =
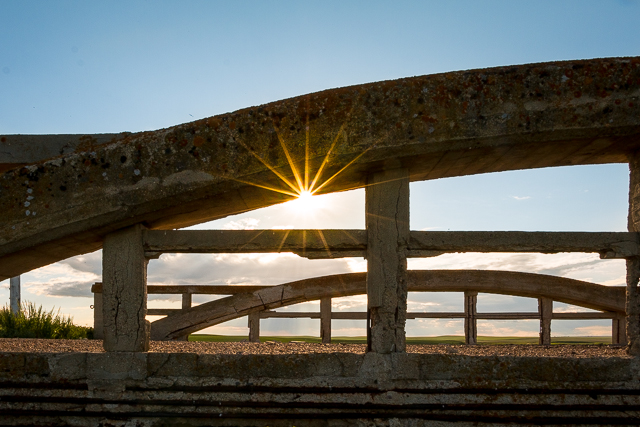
point(91, 67)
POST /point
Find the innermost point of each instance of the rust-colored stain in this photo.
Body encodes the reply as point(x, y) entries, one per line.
point(198, 141)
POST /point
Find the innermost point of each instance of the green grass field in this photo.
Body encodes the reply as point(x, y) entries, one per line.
point(445, 339)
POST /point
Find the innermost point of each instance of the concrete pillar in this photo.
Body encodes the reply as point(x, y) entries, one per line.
point(124, 291)
point(470, 320)
point(186, 301)
point(325, 320)
point(98, 319)
point(14, 294)
point(618, 330)
point(545, 308)
point(387, 219)
point(186, 304)
point(633, 264)
point(254, 326)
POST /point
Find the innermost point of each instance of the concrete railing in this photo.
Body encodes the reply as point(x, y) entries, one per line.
point(470, 315)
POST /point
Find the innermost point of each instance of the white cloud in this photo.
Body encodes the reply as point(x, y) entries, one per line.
point(521, 197)
point(242, 224)
point(515, 328)
point(591, 331)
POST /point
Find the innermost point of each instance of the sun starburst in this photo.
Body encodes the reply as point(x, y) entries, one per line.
point(307, 183)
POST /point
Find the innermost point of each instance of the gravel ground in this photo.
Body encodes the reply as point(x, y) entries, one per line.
point(95, 346)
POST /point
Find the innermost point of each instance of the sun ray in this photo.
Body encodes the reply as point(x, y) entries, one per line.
point(289, 159)
point(339, 172)
point(304, 243)
point(349, 164)
point(278, 190)
point(303, 188)
point(272, 169)
point(253, 238)
point(333, 144)
point(326, 158)
point(306, 155)
point(353, 239)
point(324, 242)
point(283, 240)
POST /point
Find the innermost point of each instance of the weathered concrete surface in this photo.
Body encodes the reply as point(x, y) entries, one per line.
point(342, 243)
point(21, 150)
point(387, 223)
point(461, 123)
point(307, 243)
point(161, 389)
point(570, 291)
point(633, 263)
point(124, 296)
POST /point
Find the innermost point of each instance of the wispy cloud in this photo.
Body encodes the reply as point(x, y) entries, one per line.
point(242, 224)
point(521, 197)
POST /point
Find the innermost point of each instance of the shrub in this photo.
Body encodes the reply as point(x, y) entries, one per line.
point(35, 322)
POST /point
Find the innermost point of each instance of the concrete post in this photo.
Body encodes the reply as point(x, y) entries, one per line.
point(254, 326)
point(470, 320)
point(618, 330)
point(98, 318)
point(387, 219)
point(545, 308)
point(14, 294)
point(186, 304)
point(633, 264)
point(124, 291)
point(186, 301)
point(325, 320)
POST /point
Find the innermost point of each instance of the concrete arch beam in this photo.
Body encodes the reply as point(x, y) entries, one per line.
point(570, 291)
point(442, 125)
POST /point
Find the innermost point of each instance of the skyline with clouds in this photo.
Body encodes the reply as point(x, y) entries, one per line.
point(86, 67)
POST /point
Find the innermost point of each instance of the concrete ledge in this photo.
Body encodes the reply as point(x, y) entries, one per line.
point(156, 389)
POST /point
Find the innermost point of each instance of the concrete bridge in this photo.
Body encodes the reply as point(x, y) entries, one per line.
point(126, 193)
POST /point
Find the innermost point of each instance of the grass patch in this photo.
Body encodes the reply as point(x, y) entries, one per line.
point(445, 339)
point(35, 322)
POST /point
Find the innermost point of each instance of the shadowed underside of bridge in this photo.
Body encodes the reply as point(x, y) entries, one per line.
point(561, 289)
point(453, 124)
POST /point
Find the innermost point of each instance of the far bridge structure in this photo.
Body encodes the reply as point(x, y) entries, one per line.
point(65, 195)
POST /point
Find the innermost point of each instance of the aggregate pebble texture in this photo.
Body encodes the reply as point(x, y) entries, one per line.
point(13, 345)
point(442, 125)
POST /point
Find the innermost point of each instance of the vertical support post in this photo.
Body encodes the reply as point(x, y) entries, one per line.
point(186, 301)
point(545, 309)
point(124, 291)
point(633, 263)
point(325, 320)
point(186, 304)
point(98, 319)
point(618, 330)
point(387, 222)
point(254, 326)
point(14, 294)
point(470, 320)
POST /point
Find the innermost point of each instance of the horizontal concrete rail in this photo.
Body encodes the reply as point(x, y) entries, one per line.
point(194, 289)
point(607, 244)
point(589, 295)
point(344, 243)
point(443, 125)
point(327, 243)
point(438, 315)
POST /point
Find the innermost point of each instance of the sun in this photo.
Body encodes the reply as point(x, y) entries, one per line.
point(306, 203)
